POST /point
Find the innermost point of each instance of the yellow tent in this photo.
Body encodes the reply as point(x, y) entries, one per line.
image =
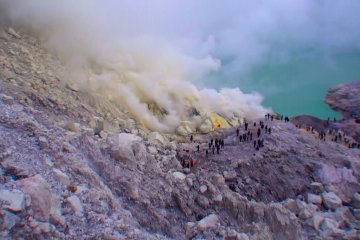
point(218, 121)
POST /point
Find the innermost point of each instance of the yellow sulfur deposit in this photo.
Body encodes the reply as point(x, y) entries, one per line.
point(218, 121)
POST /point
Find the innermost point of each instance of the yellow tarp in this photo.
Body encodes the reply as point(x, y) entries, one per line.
point(218, 121)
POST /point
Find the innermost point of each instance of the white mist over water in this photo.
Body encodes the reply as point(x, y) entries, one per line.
point(171, 52)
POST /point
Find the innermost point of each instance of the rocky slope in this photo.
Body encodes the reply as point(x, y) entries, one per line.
point(345, 98)
point(73, 165)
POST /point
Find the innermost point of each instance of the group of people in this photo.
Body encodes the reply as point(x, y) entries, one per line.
point(218, 144)
point(337, 136)
point(259, 128)
point(248, 135)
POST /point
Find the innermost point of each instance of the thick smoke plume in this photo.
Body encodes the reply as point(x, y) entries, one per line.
point(141, 53)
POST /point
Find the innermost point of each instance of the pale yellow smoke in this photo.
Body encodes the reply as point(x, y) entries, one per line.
point(134, 70)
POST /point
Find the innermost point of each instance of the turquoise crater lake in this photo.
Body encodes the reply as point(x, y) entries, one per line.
point(297, 85)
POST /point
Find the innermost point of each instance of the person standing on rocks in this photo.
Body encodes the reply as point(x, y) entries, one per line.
point(246, 126)
point(198, 148)
point(258, 132)
point(237, 132)
point(191, 138)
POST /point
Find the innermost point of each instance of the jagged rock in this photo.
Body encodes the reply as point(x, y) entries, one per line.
point(179, 176)
point(317, 187)
point(152, 150)
point(182, 204)
point(6, 99)
point(229, 175)
point(329, 225)
point(356, 213)
point(73, 127)
point(203, 201)
point(7, 220)
point(42, 228)
point(356, 200)
point(218, 180)
point(345, 99)
point(156, 138)
point(126, 147)
point(304, 214)
point(317, 221)
point(344, 216)
point(56, 216)
point(209, 221)
point(39, 190)
point(103, 134)
point(13, 33)
point(331, 200)
point(231, 234)
point(211, 188)
point(189, 227)
point(61, 176)
point(43, 142)
point(75, 204)
point(314, 199)
point(218, 199)
point(277, 218)
point(203, 189)
point(242, 236)
point(13, 200)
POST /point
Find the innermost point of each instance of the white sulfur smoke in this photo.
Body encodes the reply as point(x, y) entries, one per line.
point(163, 51)
point(128, 51)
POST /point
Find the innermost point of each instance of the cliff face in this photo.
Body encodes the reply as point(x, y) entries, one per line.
point(345, 98)
point(73, 165)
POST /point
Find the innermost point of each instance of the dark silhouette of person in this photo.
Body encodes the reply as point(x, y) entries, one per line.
point(191, 138)
point(258, 132)
point(246, 126)
point(240, 138)
point(251, 136)
point(206, 152)
point(198, 148)
point(254, 143)
point(237, 132)
point(269, 130)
